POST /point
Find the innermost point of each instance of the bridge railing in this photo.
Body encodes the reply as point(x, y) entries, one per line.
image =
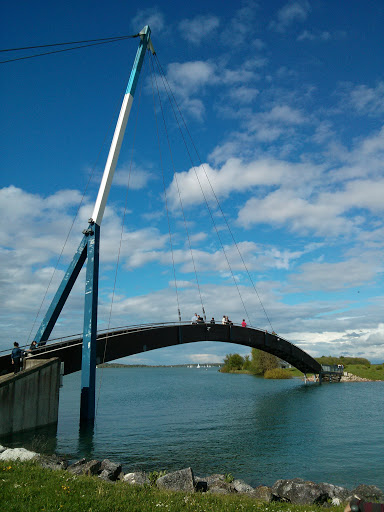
point(71, 339)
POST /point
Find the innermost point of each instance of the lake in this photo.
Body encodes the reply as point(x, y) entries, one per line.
point(256, 429)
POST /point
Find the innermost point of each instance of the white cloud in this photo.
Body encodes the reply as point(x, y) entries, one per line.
point(336, 276)
point(324, 35)
point(189, 77)
point(199, 28)
point(323, 214)
point(241, 27)
point(136, 179)
point(151, 16)
point(306, 35)
point(236, 175)
point(243, 94)
point(365, 100)
point(296, 11)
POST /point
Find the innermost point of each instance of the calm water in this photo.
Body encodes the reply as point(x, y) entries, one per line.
point(258, 430)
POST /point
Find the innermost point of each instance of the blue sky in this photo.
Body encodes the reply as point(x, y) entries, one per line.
point(285, 103)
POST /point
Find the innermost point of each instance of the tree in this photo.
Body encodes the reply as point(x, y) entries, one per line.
point(247, 363)
point(233, 362)
point(262, 361)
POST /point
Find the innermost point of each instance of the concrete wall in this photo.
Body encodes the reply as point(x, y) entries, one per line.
point(30, 398)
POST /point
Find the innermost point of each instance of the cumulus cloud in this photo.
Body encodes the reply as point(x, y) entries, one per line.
point(151, 16)
point(136, 179)
point(363, 99)
point(336, 276)
point(236, 175)
point(296, 11)
point(199, 28)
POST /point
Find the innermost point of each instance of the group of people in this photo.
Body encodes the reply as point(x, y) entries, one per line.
point(18, 355)
point(197, 319)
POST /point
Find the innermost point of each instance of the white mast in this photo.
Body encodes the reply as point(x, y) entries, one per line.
point(114, 151)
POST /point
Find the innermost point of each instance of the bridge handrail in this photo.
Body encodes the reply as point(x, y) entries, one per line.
point(136, 327)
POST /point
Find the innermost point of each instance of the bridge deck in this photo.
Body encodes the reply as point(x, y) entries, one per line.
point(128, 341)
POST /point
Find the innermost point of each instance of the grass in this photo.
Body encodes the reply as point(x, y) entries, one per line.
point(372, 372)
point(29, 488)
point(277, 373)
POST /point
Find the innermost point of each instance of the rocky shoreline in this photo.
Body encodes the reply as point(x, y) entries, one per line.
point(296, 491)
point(350, 377)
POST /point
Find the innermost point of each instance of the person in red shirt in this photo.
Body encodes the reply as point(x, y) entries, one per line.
point(244, 323)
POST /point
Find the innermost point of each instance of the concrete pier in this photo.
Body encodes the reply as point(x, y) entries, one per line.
point(30, 398)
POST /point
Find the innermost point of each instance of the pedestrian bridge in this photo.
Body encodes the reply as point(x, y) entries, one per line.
point(127, 341)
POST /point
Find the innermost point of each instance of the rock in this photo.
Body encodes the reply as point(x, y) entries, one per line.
point(335, 492)
point(299, 491)
point(367, 493)
point(350, 377)
point(110, 470)
point(263, 493)
point(2, 448)
point(52, 462)
point(177, 481)
point(82, 467)
point(17, 454)
point(136, 478)
point(212, 479)
point(242, 487)
point(217, 484)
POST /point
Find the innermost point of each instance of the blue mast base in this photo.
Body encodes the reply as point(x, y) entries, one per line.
point(88, 363)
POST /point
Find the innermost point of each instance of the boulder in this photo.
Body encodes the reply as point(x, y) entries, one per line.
point(263, 493)
point(136, 478)
point(369, 493)
point(110, 470)
point(299, 491)
point(52, 462)
point(241, 487)
point(217, 484)
point(82, 467)
point(336, 494)
point(181, 480)
point(17, 454)
point(2, 448)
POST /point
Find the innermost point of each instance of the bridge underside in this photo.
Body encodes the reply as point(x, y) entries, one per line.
point(130, 341)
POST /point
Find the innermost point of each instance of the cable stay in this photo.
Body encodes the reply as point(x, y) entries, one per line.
point(173, 101)
point(79, 45)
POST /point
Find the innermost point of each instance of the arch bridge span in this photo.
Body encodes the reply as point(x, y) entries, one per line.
point(122, 342)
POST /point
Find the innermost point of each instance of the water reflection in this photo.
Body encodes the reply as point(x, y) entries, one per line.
point(86, 446)
point(40, 440)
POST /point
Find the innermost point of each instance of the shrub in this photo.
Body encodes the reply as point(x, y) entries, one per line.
point(232, 362)
point(277, 373)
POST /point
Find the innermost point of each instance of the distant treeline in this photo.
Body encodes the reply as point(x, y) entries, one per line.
point(343, 360)
point(119, 365)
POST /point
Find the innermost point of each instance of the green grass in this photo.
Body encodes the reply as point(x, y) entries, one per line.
point(372, 372)
point(277, 373)
point(29, 488)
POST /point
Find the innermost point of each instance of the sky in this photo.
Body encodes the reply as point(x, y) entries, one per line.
point(284, 102)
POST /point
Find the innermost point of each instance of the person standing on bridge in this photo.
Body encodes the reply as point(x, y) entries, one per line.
point(16, 356)
point(243, 323)
point(32, 348)
point(194, 318)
